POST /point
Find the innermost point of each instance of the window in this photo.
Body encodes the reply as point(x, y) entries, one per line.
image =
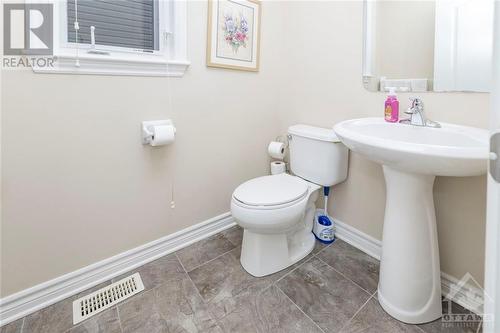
point(129, 24)
point(120, 37)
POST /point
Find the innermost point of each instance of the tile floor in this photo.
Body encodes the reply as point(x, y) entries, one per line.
point(203, 288)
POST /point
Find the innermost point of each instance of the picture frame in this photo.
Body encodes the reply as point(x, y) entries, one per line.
point(233, 34)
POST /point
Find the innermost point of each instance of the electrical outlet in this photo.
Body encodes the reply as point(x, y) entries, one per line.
point(172, 204)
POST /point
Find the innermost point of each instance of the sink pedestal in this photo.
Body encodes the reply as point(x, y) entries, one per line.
point(410, 283)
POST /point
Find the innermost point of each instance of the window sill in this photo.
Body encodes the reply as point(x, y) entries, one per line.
point(137, 65)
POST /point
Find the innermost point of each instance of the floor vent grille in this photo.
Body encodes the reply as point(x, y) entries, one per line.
point(104, 298)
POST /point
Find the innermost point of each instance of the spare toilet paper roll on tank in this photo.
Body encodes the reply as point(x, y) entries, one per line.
point(276, 150)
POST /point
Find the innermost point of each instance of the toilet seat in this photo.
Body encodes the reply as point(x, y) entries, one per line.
point(271, 192)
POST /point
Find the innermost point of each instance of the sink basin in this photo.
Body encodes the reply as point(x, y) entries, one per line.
point(447, 151)
point(411, 157)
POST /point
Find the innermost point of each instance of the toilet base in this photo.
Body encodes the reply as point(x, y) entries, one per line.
point(286, 250)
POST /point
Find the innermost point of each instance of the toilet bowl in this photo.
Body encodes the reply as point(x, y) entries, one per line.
point(276, 212)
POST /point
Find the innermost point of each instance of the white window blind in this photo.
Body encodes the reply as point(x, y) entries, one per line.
point(129, 24)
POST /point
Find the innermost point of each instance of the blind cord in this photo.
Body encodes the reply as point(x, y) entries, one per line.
point(77, 28)
point(171, 108)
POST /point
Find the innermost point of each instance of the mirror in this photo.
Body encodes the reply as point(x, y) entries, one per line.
point(416, 46)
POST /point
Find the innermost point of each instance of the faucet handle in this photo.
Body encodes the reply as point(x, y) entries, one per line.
point(416, 105)
point(416, 102)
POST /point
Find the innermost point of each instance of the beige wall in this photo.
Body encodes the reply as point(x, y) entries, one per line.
point(405, 39)
point(324, 86)
point(79, 187)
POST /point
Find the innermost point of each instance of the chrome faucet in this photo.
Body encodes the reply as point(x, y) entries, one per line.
point(417, 115)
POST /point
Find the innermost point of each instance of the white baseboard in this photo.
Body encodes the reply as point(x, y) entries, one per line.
point(468, 294)
point(358, 239)
point(20, 304)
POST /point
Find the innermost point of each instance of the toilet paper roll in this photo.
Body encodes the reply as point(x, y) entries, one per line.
point(278, 167)
point(276, 150)
point(162, 135)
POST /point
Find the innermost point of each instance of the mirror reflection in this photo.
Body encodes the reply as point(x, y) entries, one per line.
point(416, 46)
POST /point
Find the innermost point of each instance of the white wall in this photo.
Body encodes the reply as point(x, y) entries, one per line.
point(324, 86)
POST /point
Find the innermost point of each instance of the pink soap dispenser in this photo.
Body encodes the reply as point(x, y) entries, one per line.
point(391, 113)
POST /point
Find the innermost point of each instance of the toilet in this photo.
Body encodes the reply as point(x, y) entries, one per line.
point(277, 212)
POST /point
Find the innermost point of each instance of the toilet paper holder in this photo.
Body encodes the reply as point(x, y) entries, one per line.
point(285, 139)
point(147, 129)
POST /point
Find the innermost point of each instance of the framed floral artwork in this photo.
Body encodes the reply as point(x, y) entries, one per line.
point(233, 34)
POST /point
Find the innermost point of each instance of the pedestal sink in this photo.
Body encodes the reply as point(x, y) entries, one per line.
point(411, 156)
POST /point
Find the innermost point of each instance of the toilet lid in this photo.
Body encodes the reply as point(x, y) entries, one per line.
point(271, 190)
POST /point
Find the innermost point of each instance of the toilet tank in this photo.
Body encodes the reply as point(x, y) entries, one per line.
point(317, 155)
